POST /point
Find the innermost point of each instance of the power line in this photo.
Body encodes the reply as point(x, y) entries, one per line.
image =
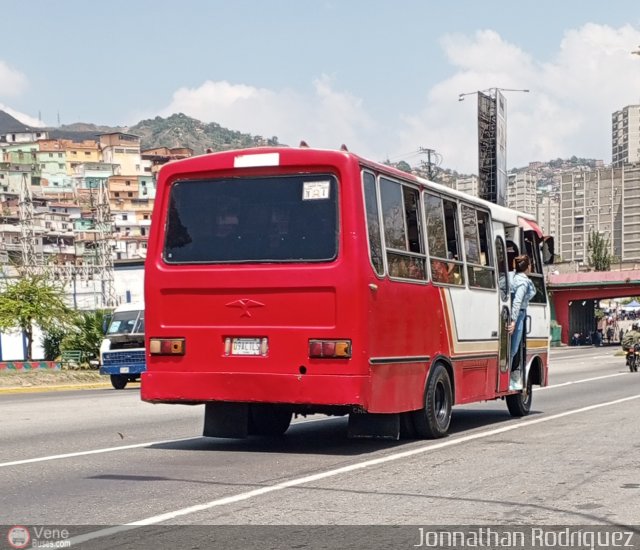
point(433, 159)
point(403, 156)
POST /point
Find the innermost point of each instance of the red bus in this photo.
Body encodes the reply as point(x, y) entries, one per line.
point(295, 281)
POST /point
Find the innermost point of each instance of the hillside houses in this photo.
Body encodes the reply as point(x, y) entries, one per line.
point(65, 176)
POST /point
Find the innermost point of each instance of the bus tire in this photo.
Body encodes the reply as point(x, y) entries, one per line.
point(432, 421)
point(268, 420)
point(519, 404)
point(119, 382)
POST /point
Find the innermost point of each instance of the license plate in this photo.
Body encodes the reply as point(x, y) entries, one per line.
point(245, 346)
point(124, 370)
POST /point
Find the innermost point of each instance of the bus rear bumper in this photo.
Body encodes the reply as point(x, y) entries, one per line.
point(382, 390)
point(301, 389)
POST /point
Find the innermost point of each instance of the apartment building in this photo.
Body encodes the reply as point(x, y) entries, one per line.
point(80, 152)
point(23, 134)
point(548, 213)
point(131, 204)
point(91, 175)
point(123, 149)
point(521, 192)
point(595, 201)
point(154, 159)
point(625, 134)
point(468, 184)
point(51, 159)
point(630, 224)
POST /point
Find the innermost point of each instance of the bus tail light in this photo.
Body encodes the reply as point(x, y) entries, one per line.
point(166, 346)
point(329, 349)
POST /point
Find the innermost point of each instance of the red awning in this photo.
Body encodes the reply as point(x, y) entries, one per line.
point(530, 225)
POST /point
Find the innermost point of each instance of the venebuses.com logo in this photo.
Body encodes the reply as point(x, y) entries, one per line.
point(19, 537)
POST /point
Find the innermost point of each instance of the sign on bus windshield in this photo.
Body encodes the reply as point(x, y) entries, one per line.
point(127, 322)
point(268, 219)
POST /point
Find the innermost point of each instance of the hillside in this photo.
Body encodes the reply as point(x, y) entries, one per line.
point(179, 130)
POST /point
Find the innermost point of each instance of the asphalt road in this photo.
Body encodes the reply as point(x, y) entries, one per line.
point(102, 457)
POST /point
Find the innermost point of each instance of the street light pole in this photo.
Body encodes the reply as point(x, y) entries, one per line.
point(493, 91)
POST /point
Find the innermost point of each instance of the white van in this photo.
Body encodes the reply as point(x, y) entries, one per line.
point(122, 354)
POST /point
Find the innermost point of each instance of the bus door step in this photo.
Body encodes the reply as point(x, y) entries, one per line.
point(374, 425)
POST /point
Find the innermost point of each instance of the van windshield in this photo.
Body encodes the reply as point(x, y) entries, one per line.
point(127, 322)
point(266, 219)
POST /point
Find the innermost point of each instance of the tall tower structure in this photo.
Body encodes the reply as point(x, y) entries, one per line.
point(104, 258)
point(492, 143)
point(31, 260)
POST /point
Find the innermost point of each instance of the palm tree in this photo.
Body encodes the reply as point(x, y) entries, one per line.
point(86, 334)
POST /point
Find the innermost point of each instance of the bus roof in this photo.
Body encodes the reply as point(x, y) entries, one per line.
point(260, 157)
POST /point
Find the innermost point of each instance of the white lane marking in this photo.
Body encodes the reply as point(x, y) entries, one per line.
point(306, 421)
point(153, 520)
point(121, 448)
point(92, 452)
point(571, 382)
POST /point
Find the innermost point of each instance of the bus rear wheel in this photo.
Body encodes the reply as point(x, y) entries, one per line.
point(268, 420)
point(519, 404)
point(433, 420)
point(119, 381)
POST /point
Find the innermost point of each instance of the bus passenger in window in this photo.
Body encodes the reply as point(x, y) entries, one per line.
point(439, 271)
point(522, 290)
point(453, 275)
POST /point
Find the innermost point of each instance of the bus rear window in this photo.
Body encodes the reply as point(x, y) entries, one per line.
point(267, 219)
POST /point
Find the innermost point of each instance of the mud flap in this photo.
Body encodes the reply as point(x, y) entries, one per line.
point(226, 420)
point(382, 426)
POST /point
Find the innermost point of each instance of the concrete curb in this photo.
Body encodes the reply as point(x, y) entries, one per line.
point(62, 387)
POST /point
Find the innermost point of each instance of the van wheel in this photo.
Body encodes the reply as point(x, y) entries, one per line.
point(118, 381)
point(268, 420)
point(432, 421)
point(519, 404)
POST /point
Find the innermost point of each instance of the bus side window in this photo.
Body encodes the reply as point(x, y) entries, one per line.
point(512, 253)
point(532, 247)
point(373, 222)
point(480, 271)
point(402, 231)
point(443, 240)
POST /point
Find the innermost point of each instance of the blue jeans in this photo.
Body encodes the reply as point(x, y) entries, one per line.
point(516, 335)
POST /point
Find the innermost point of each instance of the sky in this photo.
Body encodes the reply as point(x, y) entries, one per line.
point(381, 76)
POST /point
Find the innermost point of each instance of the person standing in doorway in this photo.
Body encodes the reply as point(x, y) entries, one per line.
point(522, 290)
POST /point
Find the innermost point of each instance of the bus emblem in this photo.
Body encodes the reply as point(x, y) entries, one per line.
point(245, 305)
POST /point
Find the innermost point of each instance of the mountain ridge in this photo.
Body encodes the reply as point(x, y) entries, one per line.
point(177, 130)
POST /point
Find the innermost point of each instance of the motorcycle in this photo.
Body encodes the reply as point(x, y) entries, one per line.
point(633, 357)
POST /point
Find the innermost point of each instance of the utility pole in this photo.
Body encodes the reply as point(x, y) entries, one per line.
point(437, 159)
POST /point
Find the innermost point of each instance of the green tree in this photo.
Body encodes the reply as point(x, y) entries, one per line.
point(51, 340)
point(29, 301)
point(599, 251)
point(404, 166)
point(85, 334)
